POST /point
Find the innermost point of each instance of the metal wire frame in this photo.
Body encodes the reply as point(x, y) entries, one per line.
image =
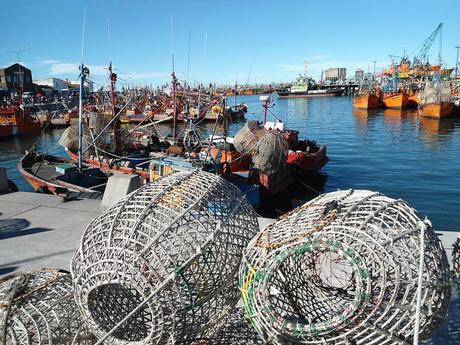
point(161, 265)
point(37, 307)
point(235, 330)
point(342, 269)
point(456, 261)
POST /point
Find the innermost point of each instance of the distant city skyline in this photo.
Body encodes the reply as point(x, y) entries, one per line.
point(246, 41)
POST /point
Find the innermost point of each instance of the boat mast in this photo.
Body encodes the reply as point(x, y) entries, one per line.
point(83, 74)
point(173, 75)
point(113, 80)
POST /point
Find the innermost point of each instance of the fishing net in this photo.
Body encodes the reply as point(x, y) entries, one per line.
point(94, 136)
point(456, 260)
point(38, 308)
point(234, 331)
point(161, 264)
point(245, 140)
point(271, 153)
point(343, 269)
point(436, 91)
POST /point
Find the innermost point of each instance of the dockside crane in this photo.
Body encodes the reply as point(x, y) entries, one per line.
point(420, 58)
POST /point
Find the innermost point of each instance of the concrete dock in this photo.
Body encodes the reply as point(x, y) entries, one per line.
point(39, 230)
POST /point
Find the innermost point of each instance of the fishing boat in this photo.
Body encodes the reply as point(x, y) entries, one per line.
point(366, 101)
point(436, 100)
point(16, 120)
point(277, 156)
point(301, 89)
point(60, 176)
point(55, 175)
point(395, 100)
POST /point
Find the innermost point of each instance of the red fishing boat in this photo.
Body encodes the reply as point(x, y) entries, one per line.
point(15, 120)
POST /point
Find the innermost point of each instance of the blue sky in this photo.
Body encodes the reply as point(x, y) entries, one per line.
point(259, 41)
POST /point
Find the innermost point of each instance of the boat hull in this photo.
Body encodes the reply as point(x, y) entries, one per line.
point(413, 101)
point(437, 110)
point(368, 101)
point(396, 101)
point(310, 94)
point(14, 130)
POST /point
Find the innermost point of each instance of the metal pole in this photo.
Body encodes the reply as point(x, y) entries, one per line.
point(423, 226)
point(80, 118)
point(456, 63)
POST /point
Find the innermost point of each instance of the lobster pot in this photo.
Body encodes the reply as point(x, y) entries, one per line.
point(343, 269)
point(38, 308)
point(245, 140)
point(271, 153)
point(235, 330)
point(161, 265)
point(456, 260)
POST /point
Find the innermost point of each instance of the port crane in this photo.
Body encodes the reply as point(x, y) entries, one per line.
point(420, 58)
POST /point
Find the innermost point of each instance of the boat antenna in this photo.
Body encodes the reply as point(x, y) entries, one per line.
point(201, 72)
point(188, 55)
point(173, 80)
point(108, 39)
point(84, 71)
point(250, 70)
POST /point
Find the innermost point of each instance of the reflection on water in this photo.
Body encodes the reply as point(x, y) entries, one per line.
point(395, 152)
point(433, 131)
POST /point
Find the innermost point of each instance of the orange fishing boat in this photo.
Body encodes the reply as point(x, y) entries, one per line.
point(413, 100)
point(437, 110)
point(366, 101)
point(396, 100)
point(16, 121)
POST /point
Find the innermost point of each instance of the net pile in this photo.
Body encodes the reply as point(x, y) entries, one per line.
point(246, 139)
point(342, 269)
point(436, 91)
point(268, 149)
point(38, 308)
point(92, 127)
point(456, 260)
point(271, 153)
point(161, 265)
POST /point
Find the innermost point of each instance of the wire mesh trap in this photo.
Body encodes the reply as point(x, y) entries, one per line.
point(161, 265)
point(456, 261)
point(38, 308)
point(343, 269)
point(235, 330)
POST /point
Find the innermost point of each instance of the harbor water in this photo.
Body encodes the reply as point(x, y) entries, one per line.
point(394, 152)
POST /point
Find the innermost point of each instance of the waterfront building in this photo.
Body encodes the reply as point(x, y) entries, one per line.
point(334, 74)
point(359, 74)
point(54, 84)
point(15, 76)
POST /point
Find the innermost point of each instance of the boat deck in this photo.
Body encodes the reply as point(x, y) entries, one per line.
point(45, 171)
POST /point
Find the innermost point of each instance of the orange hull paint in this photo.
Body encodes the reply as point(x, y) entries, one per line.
point(368, 101)
point(395, 100)
point(414, 100)
point(437, 110)
point(13, 130)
